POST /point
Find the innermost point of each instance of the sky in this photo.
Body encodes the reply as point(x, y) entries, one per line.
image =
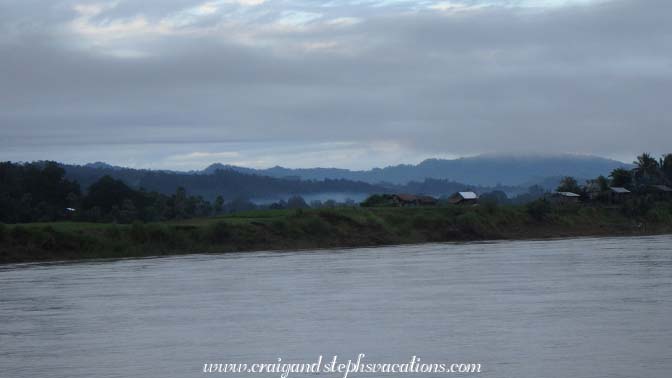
point(180, 84)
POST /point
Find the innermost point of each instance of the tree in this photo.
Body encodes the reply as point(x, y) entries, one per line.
point(621, 177)
point(647, 170)
point(278, 205)
point(666, 167)
point(219, 205)
point(496, 197)
point(107, 193)
point(539, 209)
point(602, 183)
point(569, 184)
point(371, 201)
point(180, 203)
point(536, 191)
point(240, 204)
point(296, 202)
point(127, 213)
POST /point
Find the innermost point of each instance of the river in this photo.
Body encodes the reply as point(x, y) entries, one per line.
point(587, 307)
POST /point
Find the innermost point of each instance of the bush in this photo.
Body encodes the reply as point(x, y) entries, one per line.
point(219, 232)
point(315, 227)
point(539, 210)
point(471, 224)
point(659, 215)
point(490, 207)
point(376, 200)
point(3, 231)
point(279, 226)
point(20, 235)
point(158, 234)
point(112, 232)
point(423, 222)
point(637, 207)
point(138, 232)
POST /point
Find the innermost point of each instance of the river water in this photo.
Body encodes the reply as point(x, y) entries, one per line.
point(590, 307)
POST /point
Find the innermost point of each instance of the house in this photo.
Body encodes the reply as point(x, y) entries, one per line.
point(463, 198)
point(661, 191)
point(404, 199)
point(69, 212)
point(427, 201)
point(565, 197)
point(618, 194)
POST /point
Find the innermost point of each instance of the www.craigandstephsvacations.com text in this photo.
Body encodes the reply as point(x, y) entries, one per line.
point(344, 368)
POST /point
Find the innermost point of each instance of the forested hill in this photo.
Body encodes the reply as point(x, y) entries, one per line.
point(232, 184)
point(227, 183)
point(485, 170)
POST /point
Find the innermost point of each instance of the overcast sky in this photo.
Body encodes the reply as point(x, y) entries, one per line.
point(179, 84)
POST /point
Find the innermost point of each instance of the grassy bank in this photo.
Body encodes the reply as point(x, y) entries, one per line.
point(321, 228)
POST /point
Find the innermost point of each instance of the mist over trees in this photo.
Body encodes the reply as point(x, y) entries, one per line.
point(225, 182)
point(40, 192)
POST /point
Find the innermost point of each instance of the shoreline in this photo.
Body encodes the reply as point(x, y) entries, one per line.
point(322, 249)
point(296, 230)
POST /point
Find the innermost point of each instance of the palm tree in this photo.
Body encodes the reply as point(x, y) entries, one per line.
point(647, 169)
point(568, 184)
point(666, 167)
point(621, 177)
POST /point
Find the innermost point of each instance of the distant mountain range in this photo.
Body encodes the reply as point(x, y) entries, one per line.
point(230, 184)
point(437, 177)
point(485, 170)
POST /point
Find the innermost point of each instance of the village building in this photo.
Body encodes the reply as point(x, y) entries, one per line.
point(427, 201)
point(618, 194)
point(463, 198)
point(661, 191)
point(565, 197)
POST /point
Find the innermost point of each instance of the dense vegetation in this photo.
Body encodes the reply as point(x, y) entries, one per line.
point(647, 172)
point(41, 193)
point(322, 228)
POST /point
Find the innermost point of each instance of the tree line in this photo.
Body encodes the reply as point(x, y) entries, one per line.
point(648, 171)
point(42, 192)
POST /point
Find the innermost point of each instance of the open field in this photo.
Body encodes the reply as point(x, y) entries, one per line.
point(320, 228)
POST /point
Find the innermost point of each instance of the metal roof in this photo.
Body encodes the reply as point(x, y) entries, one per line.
point(569, 194)
point(407, 197)
point(618, 189)
point(468, 195)
point(663, 188)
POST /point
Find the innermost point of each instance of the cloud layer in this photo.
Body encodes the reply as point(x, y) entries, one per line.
point(179, 83)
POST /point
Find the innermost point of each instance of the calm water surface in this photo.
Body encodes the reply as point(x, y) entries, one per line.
point(597, 307)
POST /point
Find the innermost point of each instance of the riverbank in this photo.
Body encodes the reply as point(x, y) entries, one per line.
point(319, 228)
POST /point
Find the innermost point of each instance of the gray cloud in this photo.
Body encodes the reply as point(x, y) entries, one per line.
point(590, 78)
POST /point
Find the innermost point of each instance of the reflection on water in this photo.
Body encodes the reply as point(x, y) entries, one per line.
point(565, 308)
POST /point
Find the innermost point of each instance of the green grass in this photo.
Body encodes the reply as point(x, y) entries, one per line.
point(319, 228)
